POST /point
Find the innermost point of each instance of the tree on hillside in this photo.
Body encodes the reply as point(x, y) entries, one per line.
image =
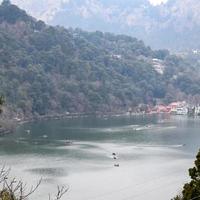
point(6, 2)
point(191, 190)
point(1, 103)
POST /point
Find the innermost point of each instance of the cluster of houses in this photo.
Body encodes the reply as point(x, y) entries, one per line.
point(176, 108)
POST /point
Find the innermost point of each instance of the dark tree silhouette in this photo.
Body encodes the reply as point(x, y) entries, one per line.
point(191, 190)
point(2, 101)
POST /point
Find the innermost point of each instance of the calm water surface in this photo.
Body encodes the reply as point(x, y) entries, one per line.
point(153, 153)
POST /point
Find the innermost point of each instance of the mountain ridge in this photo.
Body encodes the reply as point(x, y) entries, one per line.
point(172, 25)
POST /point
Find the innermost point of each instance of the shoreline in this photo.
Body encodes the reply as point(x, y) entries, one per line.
point(4, 132)
point(18, 122)
point(81, 115)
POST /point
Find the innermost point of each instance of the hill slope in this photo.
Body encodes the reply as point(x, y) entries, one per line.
point(48, 70)
point(173, 25)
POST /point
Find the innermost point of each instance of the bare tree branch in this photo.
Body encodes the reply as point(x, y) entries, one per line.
point(31, 191)
point(60, 192)
point(16, 190)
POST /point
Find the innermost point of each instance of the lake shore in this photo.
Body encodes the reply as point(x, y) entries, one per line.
point(76, 115)
point(16, 122)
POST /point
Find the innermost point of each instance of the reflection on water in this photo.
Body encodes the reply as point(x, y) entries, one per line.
point(153, 154)
point(48, 171)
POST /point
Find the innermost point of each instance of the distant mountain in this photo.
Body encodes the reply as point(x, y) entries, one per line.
point(46, 70)
point(173, 25)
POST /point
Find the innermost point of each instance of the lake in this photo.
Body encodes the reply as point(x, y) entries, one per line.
point(153, 154)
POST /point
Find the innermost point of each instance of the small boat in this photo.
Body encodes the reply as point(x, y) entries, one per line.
point(116, 165)
point(68, 142)
point(114, 154)
point(45, 136)
point(28, 131)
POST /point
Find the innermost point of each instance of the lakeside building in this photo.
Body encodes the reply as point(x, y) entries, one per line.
point(182, 111)
point(176, 108)
point(179, 108)
point(197, 110)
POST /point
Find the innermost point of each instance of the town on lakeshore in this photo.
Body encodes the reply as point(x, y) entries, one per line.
point(174, 108)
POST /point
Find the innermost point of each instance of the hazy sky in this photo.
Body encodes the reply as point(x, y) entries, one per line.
point(47, 9)
point(154, 2)
point(157, 2)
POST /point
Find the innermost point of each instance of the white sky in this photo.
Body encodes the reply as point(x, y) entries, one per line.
point(157, 2)
point(153, 2)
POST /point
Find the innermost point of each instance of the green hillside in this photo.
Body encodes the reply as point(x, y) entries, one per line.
point(49, 70)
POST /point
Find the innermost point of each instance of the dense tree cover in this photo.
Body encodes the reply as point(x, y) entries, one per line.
point(10, 13)
point(47, 70)
point(191, 190)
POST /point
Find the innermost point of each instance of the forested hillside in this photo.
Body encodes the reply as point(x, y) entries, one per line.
point(173, 24)
point(48, 70)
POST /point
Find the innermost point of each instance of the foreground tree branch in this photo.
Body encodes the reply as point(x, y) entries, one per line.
point(60, 192)
point(12, 189)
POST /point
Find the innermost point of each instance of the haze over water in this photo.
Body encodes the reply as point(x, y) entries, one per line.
point(153, 153)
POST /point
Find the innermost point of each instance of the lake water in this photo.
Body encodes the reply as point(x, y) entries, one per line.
point(153, 153)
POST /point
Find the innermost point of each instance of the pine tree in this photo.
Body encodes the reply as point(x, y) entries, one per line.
point(191, 190)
